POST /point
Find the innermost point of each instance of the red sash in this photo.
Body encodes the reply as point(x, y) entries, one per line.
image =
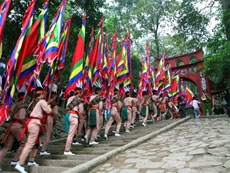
point(115, 106)
point(129, 107)
point(72, 112)
point(94, 107)
point(25, 128)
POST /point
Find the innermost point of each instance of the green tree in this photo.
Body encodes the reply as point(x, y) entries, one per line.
point(218, 57)
point(192, 24)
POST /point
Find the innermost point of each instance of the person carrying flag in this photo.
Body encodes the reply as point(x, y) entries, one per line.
point(32, 126)
point(95, 106)
point(50, 121)
point(126, 111)
point(14, 130)
point(134, 109)
point(154, 100)
point(114, 115)
point(73, 109)
point(145, 108)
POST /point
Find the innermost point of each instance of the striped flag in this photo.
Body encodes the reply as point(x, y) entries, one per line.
point(99, 56)
point(153, 75)
point(160, 75)
point(28, 60)
point(174, 89)
point(126, 57)
point(94, 60)
point(64, 44)
point(58, 64)
point(47, 48)
point(4, 8)
point(143, 77)
point(104, 72)
point(62, 49)
point(76, 74)
point(188, 94)
point(9, 90)
point(89, 54)
point(167, 79)
point(112, 70)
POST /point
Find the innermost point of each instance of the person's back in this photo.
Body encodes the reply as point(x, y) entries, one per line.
point(195, 104)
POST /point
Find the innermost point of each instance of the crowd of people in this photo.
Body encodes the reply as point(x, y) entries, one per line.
point(83, 120)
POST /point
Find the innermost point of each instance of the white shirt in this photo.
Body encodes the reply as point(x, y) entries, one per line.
point(195, 104)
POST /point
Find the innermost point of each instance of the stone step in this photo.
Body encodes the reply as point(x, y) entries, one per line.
point(75, 157)
point(46, 169)
point(58, 162)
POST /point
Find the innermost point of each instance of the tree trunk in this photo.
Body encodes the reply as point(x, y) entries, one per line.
point(156, 39)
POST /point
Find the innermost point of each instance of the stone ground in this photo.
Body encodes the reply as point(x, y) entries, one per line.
point(198, 145)
point(57, 162)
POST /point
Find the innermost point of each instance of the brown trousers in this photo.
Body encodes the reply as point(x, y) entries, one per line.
point(73, 120)
point(15, 132)
point(48, 133)
point(80, 125)
point(33, 132)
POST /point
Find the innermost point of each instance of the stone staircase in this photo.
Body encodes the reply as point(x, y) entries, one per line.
point(57, 162)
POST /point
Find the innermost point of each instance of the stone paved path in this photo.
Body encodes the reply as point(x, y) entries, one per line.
point(199, 145)
point(57, 162)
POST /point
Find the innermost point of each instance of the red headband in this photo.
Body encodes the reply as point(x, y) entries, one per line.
point(40, 92)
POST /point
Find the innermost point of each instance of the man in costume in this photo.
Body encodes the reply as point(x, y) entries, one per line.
point(145, 108)
point(127, 111)
point(114, 115)
point(13, 132)
point(33, 125)
point(95, 106)
point(162, 106)
point(134, 109)
point(153, 105)
point(173, 110)
point(73, 109)
point(50, 120)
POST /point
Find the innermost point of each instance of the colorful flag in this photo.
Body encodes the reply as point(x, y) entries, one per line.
point(104, 73)
point(99, 56)
point(152, 70)
point(63, 47)
point(47, 48)
point(52, 47)
point(167, 79)
point(160, 75)
point(9, 90)
point(76, 75)
point(175, 86)
point(95, 60)
point(4, 8)
point(145, 81)
point(188, 94)
point(112, 70)
point(89, 54)
point(24, 71)
point(126, 56)
point(58, 64)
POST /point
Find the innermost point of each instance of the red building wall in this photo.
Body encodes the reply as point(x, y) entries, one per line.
point(191, 70)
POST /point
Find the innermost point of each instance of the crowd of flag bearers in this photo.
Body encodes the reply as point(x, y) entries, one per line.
point(99, 92)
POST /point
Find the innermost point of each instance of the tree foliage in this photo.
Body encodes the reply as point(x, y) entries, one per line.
point(218, 58)
point(73, 8)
